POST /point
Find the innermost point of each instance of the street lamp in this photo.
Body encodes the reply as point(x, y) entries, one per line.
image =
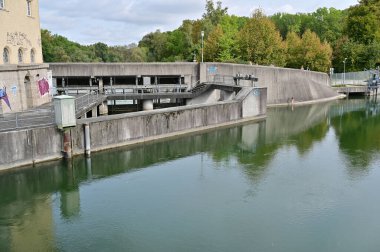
point(344, 70)
point(202, 35)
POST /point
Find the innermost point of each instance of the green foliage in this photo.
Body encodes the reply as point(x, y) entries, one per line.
point(260, 43)
point(214, 14)
point(291, 40)
point(364, 21)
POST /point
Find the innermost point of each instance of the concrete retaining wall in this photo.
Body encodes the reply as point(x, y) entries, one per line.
point(282, 83)
point(30, 146)
point(24, 147)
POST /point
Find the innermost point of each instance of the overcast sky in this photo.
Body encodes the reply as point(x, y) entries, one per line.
point(121, 22)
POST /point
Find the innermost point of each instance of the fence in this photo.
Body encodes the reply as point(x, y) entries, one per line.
point(27, 119)
point(351, 78)
point(225, 79)
point(44, 116)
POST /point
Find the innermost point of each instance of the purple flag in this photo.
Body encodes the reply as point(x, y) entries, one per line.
point(4, 97)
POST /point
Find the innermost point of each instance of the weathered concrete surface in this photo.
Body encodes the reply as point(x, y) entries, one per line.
point(250, 96)
point(190, 71)
point(25, 147)
point(118, 130)
point(30, 146)
point(20, 82)
point(282, 83)
point(210, 96)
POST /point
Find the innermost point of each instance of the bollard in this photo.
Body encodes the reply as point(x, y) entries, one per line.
point(87, 141)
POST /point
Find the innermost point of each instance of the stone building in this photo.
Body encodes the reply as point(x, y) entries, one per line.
point(24, 77)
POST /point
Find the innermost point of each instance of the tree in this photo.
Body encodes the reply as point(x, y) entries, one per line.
point(101, 51)
point(212, 47)
point(364, 21)
point(295, 53)
point(287, 23)
point(316, 55)
point(259, 41)
point(214, 14)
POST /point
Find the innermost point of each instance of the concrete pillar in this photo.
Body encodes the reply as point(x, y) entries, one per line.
point(67, 144)
point(103, 109)
point(101, 86)
point(202, 72)
point(147, 105)
point(94, 112)
point(87, 140)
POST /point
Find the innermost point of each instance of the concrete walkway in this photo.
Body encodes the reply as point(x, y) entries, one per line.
point(44, 115)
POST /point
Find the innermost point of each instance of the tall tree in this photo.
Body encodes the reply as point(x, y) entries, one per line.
point(259, 41)
point(295, 53)
point(316, 54)
point(213, 47)
point(364, 21)
point(214, 14)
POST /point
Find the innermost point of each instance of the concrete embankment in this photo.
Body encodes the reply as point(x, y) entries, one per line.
point(30, 146)
point(282, 83)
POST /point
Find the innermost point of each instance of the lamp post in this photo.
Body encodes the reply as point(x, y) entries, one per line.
point(344, 70)
point(202, 35)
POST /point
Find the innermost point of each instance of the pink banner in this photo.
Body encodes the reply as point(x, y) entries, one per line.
point(43, 86)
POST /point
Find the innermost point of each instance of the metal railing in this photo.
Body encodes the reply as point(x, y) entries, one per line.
point(224, 79)
point(350, 78)
point(87, 101)
point(27, 119)
point(44, 116)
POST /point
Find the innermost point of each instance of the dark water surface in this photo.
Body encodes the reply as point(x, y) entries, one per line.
point(306, 179)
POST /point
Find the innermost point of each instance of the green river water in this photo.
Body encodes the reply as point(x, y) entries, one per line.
point(306, 179)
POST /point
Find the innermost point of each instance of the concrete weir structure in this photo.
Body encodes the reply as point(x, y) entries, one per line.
point(228, 96)
point(35, 145)
point(283, 84)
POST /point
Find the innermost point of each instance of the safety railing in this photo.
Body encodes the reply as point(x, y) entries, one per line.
point(350, 78)
point(27, 119)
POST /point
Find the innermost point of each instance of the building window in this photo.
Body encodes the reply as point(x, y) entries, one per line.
point(20, 55)
point(29, 8)
point(2, 4)
point(6, 56)
point(32, 56)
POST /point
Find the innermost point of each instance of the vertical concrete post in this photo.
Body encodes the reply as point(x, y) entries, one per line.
point(101, 86)
point(67, 144)
point(94, 112)
point(202, 72)
point(87, 140)
point(103, 108)
point(147, 105)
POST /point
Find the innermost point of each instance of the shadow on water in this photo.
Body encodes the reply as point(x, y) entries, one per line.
point(355, 122)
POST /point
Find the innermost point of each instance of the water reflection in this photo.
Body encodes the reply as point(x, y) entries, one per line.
point(27, 196)
point(360, 142)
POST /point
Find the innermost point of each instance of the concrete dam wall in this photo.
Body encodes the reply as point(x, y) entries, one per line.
point(30, 146)
point(282, 83)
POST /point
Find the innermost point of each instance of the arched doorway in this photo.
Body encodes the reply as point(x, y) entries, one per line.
point(29, 91)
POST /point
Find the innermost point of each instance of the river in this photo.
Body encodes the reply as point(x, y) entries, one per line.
point(306, 179)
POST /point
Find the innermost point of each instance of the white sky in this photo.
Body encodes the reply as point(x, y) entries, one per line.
point(121, 22)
